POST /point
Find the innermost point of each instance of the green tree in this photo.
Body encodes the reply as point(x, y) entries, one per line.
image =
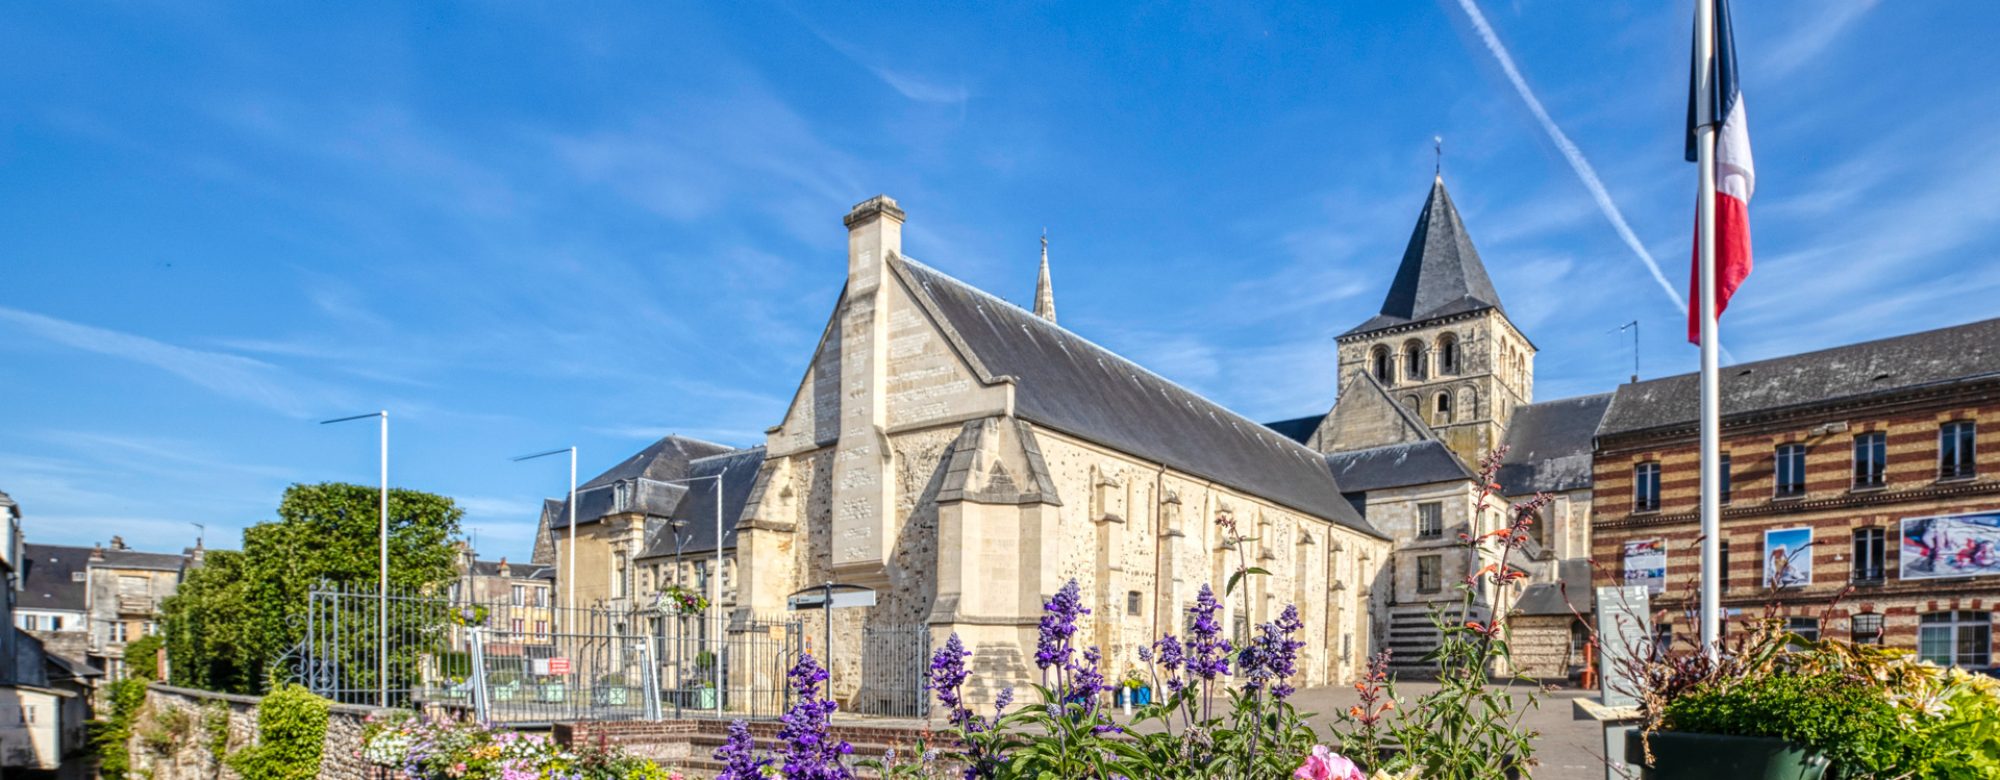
point(237, 613)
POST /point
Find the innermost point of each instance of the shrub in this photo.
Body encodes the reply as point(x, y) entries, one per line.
point(291, 735)
point(1849, 723)
point(142, 657)
point(113, 736)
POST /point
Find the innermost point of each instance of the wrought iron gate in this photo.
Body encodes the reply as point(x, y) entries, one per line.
point(895, 666)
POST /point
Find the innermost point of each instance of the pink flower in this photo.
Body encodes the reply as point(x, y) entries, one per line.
point(1324, 764)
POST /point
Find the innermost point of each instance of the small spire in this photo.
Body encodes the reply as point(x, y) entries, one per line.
point(1437, 145)
point(1045, 291)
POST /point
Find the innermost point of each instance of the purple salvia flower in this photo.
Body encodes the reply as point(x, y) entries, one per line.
point(1207, 652)
point(808, 753)
point(947, 674)
point(738, 755)
point(1059, 618)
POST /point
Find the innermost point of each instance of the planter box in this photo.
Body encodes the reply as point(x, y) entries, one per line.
point(1687, 756)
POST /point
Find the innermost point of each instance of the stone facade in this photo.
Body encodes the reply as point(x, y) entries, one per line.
point(1463, 375)
point(175, 736)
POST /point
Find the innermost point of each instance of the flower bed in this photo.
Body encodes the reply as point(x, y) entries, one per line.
point(432, 749)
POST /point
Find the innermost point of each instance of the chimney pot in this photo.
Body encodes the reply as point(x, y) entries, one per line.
point(868, 210)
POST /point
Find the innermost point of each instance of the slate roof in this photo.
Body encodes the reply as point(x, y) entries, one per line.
point(640, 483)
point(1396, 465)
point(1299, 429)
point(515, 569)
point(56, 577)
point(697, 507)
point(1955, 354)
point(1551, 598)
point(1440, 275)
point(139, 559)
point(1550, 444)
point(1067, 383)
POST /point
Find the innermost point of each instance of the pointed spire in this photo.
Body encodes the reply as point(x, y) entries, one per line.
point(1045, 291)
point(1440, 266)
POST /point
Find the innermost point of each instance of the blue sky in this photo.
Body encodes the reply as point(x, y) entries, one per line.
point(523, 226)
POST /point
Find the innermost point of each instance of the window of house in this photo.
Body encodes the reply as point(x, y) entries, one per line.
point(55, 623)
point(541, 628)
point(1791, 471)
point(517, 626)
point(1646, 487)
point(1430, 520)
point(1867, 628)
point(1870, 555)
point(520, 595)
point(1413, 361)
point(1429, 573)
point(1132, 602)
point(118, 631)
point(1663, 638)
point(1870, 452)
point(1722, 565)
point(1961, 638)
point(1807, 628)
point(1448, 354)
point(1722, 473)
point(1957, 444)
point(1380, 359)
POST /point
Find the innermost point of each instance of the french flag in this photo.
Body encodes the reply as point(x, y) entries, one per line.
point(1735, 175)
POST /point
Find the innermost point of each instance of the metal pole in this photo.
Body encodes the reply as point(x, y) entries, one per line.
point(826, 652)
point(1711, 417)
point(717, 601)
point(571, 585)
point(382, 585)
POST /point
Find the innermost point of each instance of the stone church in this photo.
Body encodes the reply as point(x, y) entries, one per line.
point(964, 456)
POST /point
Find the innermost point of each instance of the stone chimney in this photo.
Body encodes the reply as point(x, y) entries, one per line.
point(117, 542)
point(97, 552)
point(505, 571)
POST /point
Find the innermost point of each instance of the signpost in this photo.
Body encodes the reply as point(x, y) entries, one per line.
point(829, 597)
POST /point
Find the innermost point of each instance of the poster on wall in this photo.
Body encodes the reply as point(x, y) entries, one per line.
point(1788, 557)
point(1646, 564)
point(1965, 545)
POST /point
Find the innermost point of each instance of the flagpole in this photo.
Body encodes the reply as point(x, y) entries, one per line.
point(1711, 407)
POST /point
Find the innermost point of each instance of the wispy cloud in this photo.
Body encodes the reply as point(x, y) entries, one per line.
point(1823, 25)
point(229, 375)
point(1570, 152)
point(914, 87)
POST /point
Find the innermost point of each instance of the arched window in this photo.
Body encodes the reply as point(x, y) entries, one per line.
point(1413, 360)
point(1443, 410)
point(1447, 354)
point(1379, 364)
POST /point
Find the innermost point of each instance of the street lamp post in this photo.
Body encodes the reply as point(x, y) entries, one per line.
point(569, 582)
point(715, 601)
point(382, 581)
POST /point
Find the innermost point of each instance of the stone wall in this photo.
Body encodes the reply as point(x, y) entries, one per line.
point(1541, 646)
point(175, 736)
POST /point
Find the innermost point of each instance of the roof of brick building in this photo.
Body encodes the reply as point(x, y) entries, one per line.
point(1900, 363)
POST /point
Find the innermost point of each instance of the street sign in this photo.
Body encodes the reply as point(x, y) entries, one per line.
point(558, 666)
point(818, 600)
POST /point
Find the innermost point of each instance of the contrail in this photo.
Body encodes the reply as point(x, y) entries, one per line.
point(1569, 151)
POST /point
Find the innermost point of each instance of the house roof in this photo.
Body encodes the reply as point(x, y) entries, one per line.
point(696, 509)
point(1396, 465)
point(1440, 275)
point(139, 559)
point(647, 482)
point(665, 459)
point(1065, 382)
point(1549, 445)
point(1932, 357)
point(57, 577)
point(1298, 429)
point(1570, 593)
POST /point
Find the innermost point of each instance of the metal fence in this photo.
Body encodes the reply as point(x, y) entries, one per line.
point(519, 663)
point(895, 664)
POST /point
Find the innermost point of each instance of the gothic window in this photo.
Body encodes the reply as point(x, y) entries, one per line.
point(1447, 354)
point(1379, 363)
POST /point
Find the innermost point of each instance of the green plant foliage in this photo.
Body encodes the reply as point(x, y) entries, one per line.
point(164, 730)
point(233, 616)
point(142, 656)
point(291, 735)
point(1850, 724)
point(215, 724)
point(112, 736)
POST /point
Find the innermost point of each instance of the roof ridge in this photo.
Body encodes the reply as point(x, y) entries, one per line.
point(1041, 322)
point(1823, 350)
